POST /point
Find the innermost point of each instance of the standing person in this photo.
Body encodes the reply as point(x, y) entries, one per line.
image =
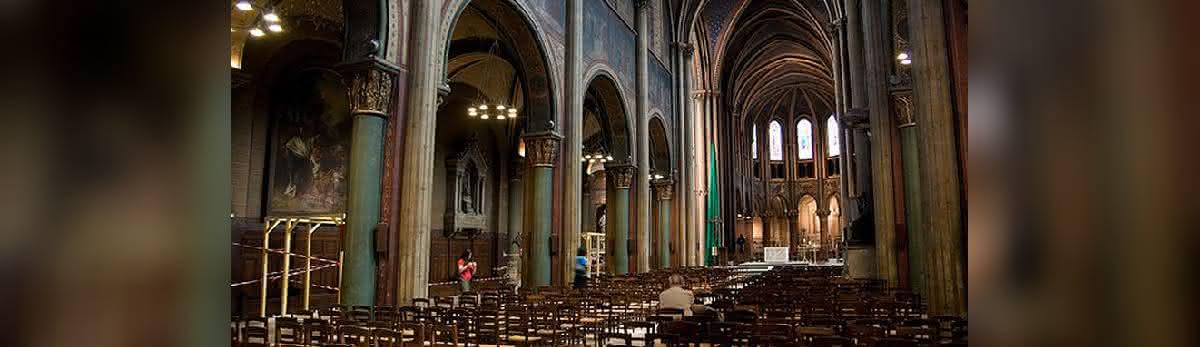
point(581, 267)
point(466, 269)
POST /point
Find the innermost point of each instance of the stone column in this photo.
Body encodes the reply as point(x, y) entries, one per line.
point(794, 234)
point(573, 90)
point(642, 58)
point(516, 212)
point(912, 191)
point(621, 177)
point(416, 179)
point(938, 160)
point(823, 229)
point(666, 190)
point(541, 150)
point(371, 83)
point(878, 60)
point(687, 185)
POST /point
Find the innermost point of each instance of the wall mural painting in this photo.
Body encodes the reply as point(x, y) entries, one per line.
point(660, 90)
point(614, 44)
point(310, 149)
point(658, 27)
point(551, 14)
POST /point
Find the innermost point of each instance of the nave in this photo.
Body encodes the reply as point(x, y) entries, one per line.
point(783, 306)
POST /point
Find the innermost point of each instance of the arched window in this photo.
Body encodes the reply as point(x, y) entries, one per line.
point(832, 133)
point(775, 136)
point(754, 141)
point(834, 140)
point(804, 139)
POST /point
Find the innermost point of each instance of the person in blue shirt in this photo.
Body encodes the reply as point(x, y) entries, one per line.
point(581, 263)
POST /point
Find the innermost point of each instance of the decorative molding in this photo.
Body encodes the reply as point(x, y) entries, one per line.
point(665, 188)
point(621, 176)
point(372, 82)
point(856, 118)
point(541, 149)
point(902, 106)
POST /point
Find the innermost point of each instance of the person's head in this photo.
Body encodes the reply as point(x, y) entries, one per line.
point(676, 280)
point(466, 254)
point(580, 252)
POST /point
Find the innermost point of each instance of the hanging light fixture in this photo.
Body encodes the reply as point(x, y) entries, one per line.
point(487, 111)
point(244, 5)
point(596, 155)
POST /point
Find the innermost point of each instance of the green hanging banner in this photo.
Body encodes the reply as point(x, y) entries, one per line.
point(714, 210)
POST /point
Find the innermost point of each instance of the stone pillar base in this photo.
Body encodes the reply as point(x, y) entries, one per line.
point(860, 261)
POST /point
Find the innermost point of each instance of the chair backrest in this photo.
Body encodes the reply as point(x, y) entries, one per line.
point(386, 337)
point(443, 335)
point(288, 330)
point(254, 336)
point(831, 341)
point(896, 342)
point(682, 330)
point(741, 316)
point(778, 330)
point(420, 302)
point(318, 331)
point(354, 335)
point(412, 334)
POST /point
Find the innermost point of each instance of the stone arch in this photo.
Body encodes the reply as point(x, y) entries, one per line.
point(660, 147)
point(528, 50)
point(603, 86)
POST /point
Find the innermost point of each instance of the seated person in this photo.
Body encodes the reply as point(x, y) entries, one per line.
point(675, 296)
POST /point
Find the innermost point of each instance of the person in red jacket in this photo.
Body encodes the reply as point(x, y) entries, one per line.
point(466, 269)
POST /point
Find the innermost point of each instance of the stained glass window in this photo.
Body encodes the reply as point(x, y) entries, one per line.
point(754, 141)
point(804, 139)
point(832, 131)
point(776, 140)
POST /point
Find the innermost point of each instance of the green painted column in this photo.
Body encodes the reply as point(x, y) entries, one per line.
point(542, 152)
point(912, 194)
point(665, 189)
point(370, 90)
point(621, 177)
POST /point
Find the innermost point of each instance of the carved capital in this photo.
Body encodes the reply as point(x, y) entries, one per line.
point(665, 188)
point(621, 176)
point(541, 149)
point(685, 48)
point(442, 92)
point(902, 106)
point(640, 4)
point(372, 83)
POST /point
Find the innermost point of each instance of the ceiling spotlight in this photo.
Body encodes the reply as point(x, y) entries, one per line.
point(271, 16)
point(906, 62)
point(244, 5)
point(275, 27)
point(256, 32)
point(484, 116)
point(500, 117)
point(902, 56)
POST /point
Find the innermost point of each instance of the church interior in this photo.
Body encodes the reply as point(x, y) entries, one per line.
point(537, 172)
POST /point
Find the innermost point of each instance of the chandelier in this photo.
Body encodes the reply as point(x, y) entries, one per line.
point(266, 17)
point(486, 111)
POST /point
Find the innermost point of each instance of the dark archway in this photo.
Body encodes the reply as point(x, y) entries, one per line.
point(660, 148)
point(604, 99)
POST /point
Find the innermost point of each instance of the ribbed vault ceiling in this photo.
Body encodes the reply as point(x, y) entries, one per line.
point(776, 52)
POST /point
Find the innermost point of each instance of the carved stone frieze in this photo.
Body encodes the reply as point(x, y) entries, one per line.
point(541, 150)
point(621, 176)
point(371, 85)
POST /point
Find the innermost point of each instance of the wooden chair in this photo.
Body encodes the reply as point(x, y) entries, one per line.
point(318, 332)
point(864, 335)
point(360, 313)
point(385, 337)
point(519, 328)
point(729, 333)
point(741, 316)
point(488, 326)
point(412, 334)
point(288, 332)
point(386, 314)
point(442, 335)
point(254, 336)
point(831, 341)
point(771, 335)
point(680, 333)
point(896, 342)
point(420, 302)
point(408, 314)
point(354, 335)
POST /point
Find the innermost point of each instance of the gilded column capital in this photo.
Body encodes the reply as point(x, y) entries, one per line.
point(371, 84)
point(541, 149)
point(621, 176)
point(665, 188)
